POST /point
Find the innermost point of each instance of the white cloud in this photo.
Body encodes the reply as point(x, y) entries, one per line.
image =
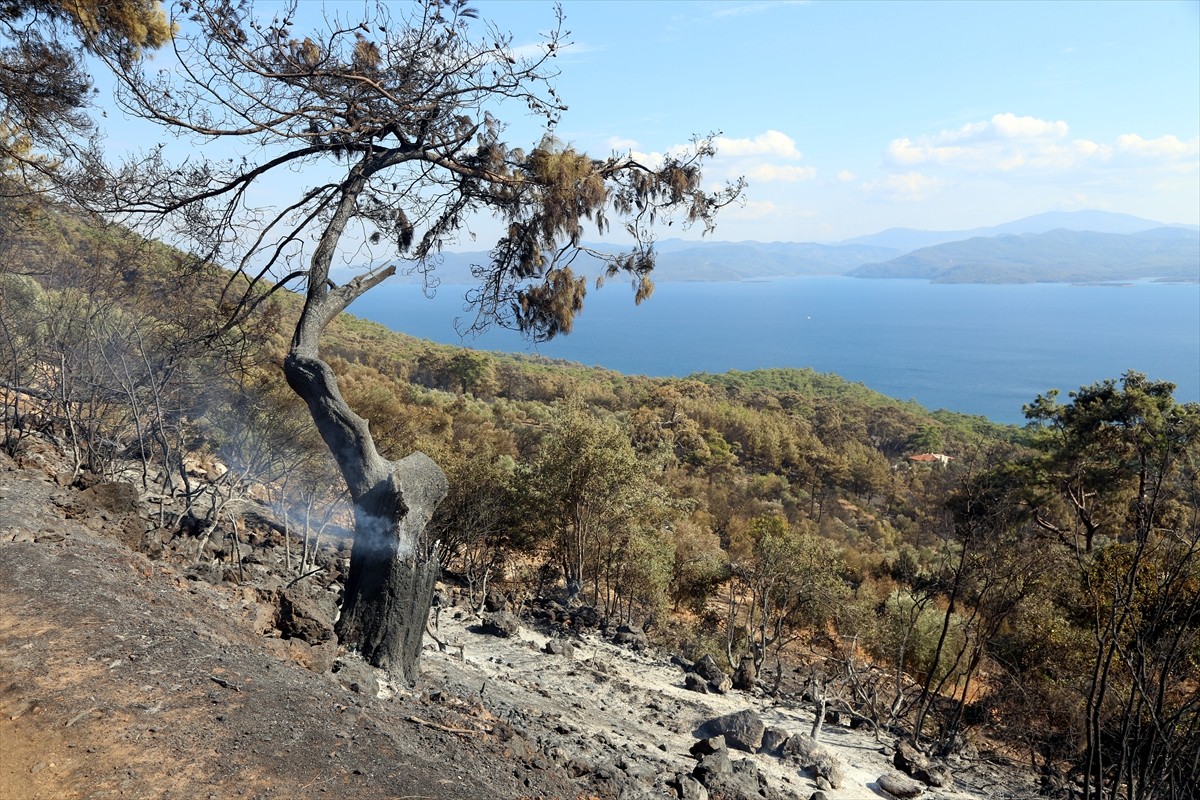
point(620, 145)
point(1004, 143)
point(1008, 143)
point(845, 176)
point(771, 143)
point(1164, 147)
point(788, 173)
point(909, 187)
point(1010, 126)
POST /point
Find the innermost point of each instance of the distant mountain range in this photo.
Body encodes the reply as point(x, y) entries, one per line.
point(1058, 256)
point(908, 239)
point(1075, 247)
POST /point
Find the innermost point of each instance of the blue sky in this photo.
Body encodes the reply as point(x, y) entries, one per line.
point(852, 117)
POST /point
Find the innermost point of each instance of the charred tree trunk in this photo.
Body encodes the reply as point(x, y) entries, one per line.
point(390, 586)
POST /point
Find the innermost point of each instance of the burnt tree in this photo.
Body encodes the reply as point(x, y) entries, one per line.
point(398, 122)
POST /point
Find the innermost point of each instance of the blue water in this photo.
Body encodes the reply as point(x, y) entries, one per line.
point(976, 349)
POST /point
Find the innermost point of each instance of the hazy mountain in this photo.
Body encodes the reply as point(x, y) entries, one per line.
point(726, 261)
point(998, 254)
point(680, 260)
point(1056, 256)
point(909, 239)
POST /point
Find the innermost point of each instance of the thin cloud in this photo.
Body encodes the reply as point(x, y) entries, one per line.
point(786, 173)
point(745, 9)
point(909, 187)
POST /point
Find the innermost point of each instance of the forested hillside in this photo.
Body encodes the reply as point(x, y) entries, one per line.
point(1036, 586)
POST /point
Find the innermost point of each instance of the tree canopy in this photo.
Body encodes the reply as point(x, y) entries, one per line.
point(44, 83)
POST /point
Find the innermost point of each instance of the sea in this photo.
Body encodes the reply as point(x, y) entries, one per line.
point(977, 349)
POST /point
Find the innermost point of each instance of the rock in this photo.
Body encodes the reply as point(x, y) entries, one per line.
point(307, 615)
point(773, 740)
point(695, 683)
point(833, 717)
point(712, 765)
point(557, 647)
point(833, 773)
point(495, 601)
point(721, 685)
point(631, 637)
point(818, 795)
point(900, 787)
point(745, 677)
point(688, 788)
point(911, 761)
point(501, 623)
point(704, 747)
point(706, 667)
point(743, 782)
point(812, 755)
point(682, 663)
point(742, 730)
point(805, 750)
point(859, 721)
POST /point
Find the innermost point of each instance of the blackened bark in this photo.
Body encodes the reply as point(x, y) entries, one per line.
point(384, 615)
point(390, 586)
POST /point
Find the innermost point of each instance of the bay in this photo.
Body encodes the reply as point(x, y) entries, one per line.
point(976, 349)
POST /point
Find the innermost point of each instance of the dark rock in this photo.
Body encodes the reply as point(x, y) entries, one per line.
point(818, 795)
point(704, 747)
point(745, 677)
point(859, 721)
point(695, 683)
point(773, 740)
point(501, 623)
point(631, 637)
point(742, 730)
point(911, 761)
point(707, 668)
point(898, 786)
point(682, 663)
point(307, 615)
point(712, 765)
point(833, 717)
point(495, 601)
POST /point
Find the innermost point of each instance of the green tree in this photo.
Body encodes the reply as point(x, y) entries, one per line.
point(783, 580)
point(1116, 483)
point(44, 84)
point(593, 492)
